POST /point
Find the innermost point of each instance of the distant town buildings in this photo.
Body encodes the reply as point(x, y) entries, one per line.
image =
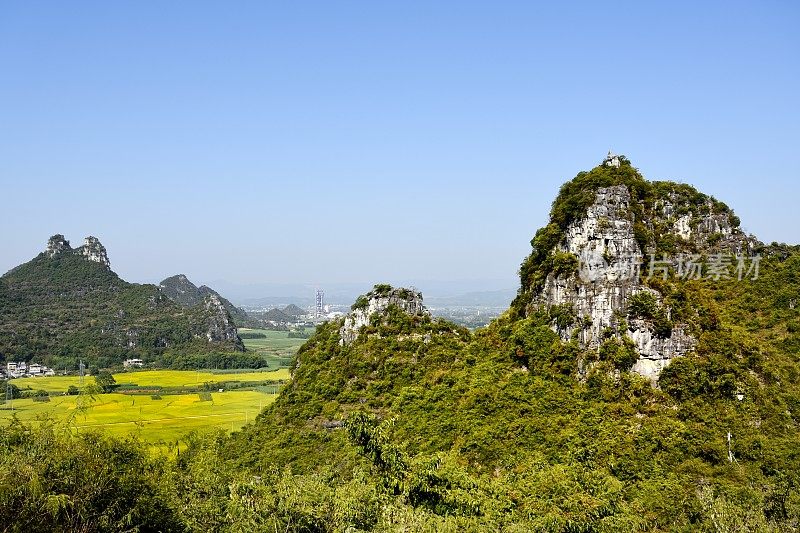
point(133, 363)
point(20, 369)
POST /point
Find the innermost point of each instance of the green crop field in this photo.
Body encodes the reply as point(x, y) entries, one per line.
point(277, 348)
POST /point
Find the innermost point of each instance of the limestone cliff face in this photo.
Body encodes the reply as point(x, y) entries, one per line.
point(609, 262)
point(183, 292)
point(219, 325)
point(56, 245)
point(610, 247)
point(377, 302)
point(92, 249)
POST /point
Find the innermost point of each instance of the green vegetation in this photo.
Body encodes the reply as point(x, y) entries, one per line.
point(251, 335)
point(482, 431)
point(62, 309)
point(645, 306)
point(105, 381)
point(421, 425)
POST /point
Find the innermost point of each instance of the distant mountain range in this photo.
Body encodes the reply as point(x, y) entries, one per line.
point(466, 293)
point(500, 298)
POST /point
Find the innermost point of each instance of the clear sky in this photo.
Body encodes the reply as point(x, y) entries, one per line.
point(334, 141)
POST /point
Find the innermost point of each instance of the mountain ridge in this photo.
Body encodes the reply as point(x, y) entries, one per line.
point(182, 291)
point(67, 303)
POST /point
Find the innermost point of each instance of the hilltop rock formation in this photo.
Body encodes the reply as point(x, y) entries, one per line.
point(610, 232)
point(182, 291)
point(57, 244)
point(92, 249)
point(376, 302)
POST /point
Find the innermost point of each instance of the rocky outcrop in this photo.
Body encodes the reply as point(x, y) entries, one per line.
point(377, 302)
point(57, 244)
point(219, 325)
point(609, 262)
point(94, 251)
point(703, 226)
point(612, 244)
point(183, 292)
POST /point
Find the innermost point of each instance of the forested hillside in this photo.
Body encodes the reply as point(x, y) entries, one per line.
point(67, 304)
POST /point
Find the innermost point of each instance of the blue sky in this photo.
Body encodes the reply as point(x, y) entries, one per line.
point(322, 142)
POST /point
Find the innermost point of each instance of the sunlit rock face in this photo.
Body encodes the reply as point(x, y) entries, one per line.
point(57, 244)
point(219, 325)
point(94, 251)
point(376, 302)
point(612, 240)
point(609, 260)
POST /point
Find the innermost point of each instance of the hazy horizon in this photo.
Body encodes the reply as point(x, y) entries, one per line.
point(294, 145)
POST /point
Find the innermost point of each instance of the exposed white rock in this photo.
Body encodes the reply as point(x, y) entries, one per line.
point(219, 327)
point(683, 227)
point(57, 244)
point(608, 275)
point(377, 302)
point(655, 353)
point(611, 160)
point(94, 251)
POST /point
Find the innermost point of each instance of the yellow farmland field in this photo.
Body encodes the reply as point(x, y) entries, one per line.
point(162, 378)
point(161, 422)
